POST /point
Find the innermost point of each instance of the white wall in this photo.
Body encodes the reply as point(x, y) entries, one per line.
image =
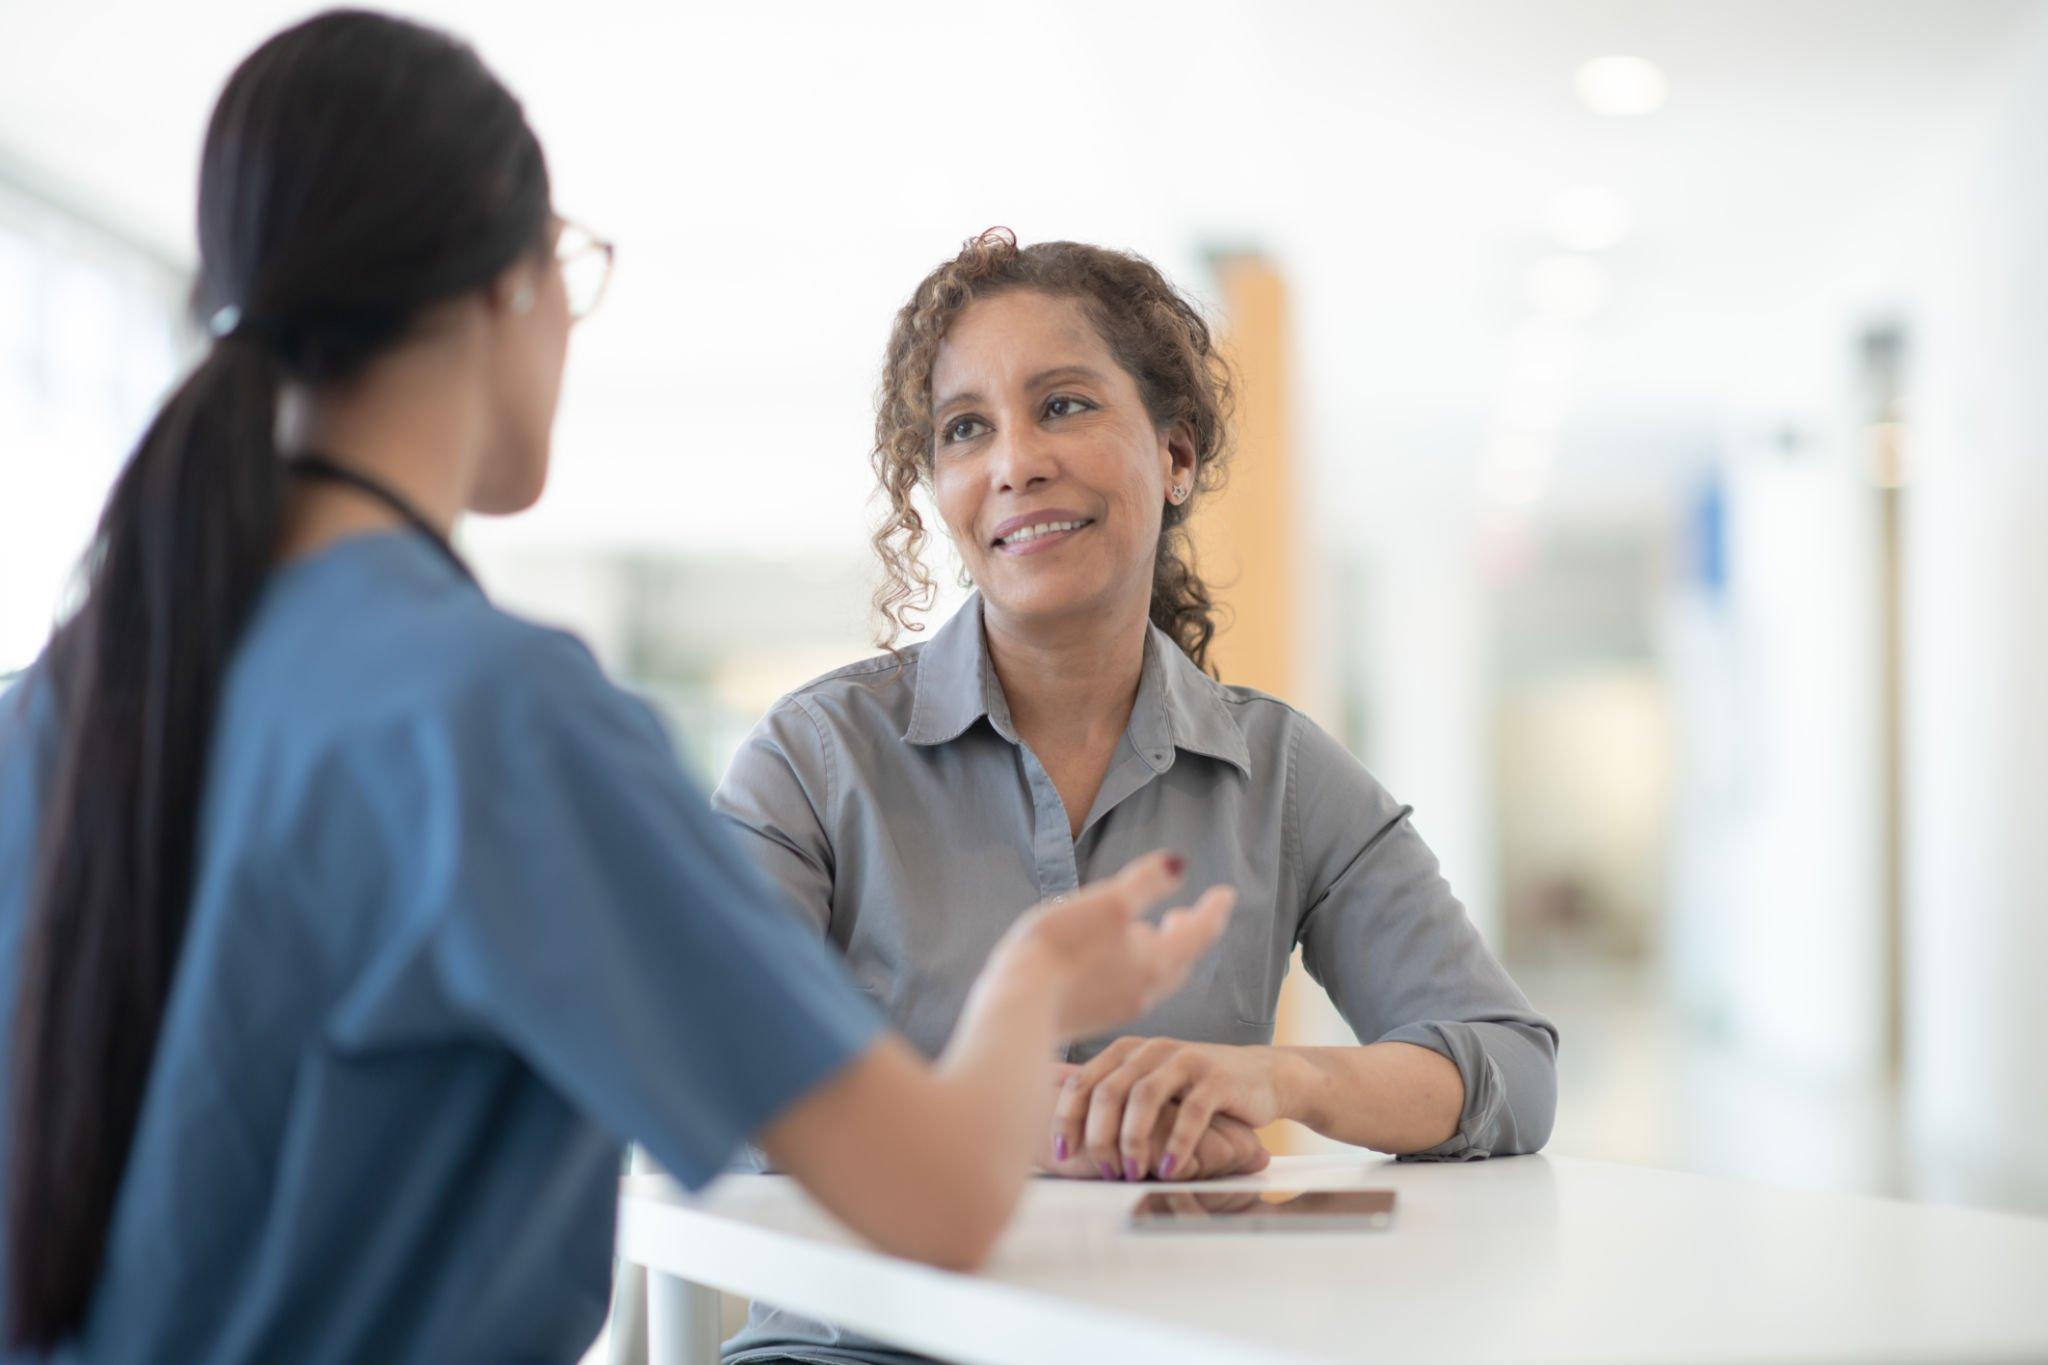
point(1958, 251)
point(1397, 514)
point(1977, 673)
point(1802, 909)
point(1782, 943)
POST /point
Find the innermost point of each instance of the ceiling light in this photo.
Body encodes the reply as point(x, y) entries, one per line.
point(1621, 87)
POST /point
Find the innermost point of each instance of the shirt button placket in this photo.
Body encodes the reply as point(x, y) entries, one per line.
point(1052, 847)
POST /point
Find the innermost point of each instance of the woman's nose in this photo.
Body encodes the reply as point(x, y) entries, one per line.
point(1022, 460)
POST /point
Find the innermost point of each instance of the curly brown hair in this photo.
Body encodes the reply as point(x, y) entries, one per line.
point(1152, 329)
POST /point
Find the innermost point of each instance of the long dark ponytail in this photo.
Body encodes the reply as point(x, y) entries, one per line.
point(357, 169)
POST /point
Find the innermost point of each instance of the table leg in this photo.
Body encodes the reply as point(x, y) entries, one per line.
point(683, 1325)
point(626, 1335)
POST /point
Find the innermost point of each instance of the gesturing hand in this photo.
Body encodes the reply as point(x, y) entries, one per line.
point(1109, 1110)
point(1108, 963)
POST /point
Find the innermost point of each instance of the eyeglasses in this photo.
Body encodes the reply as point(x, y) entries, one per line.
point(586, 262)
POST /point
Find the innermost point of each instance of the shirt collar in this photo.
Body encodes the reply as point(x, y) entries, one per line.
point(956, 684)
point(1178, 705)
point(1181, 707)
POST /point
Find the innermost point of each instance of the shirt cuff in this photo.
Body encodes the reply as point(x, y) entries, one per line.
point(1479, 1124)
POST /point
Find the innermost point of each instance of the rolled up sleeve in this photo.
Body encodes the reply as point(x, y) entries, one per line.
point(1384, 935)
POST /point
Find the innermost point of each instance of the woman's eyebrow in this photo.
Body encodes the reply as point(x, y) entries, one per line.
point(1037, 381)
point(954, 400)
point(1060, 372)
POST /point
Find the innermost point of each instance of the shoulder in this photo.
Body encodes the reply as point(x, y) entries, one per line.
point(1319, 766)
point(1275, 731)
point(862, 678)
point(871, 696)
point(385, 644)
point(501, 732)
point(380, 625)
point(1248, 706)
point(854, 714)
point(483, 657)
point(515, 684)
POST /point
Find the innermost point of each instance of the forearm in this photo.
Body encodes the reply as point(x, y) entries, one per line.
point(1007, 1030)
point(970, 1144)
point(1390, 1097)
point(928, 1161)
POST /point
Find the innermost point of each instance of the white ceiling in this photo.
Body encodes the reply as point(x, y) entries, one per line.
point(778, 177)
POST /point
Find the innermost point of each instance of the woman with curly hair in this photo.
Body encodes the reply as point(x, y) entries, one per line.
point(1065, 408)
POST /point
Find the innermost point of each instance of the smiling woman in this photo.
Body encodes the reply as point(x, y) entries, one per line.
point(1153, 347)
point(1063, 405)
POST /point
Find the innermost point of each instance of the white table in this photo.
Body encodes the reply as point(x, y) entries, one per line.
point(1525, 1259)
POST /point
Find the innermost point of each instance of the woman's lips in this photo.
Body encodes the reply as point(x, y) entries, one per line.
point(1043, 541)
point(1035, 519)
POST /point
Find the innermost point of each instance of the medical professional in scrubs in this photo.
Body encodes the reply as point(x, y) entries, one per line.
point(348, 925)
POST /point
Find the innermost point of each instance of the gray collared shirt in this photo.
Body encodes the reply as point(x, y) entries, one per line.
point(895, 804)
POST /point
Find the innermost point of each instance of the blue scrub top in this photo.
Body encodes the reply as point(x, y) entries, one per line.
point(460, 926)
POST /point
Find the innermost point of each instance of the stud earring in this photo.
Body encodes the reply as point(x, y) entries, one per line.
point(1179, 492)
point(522, 299)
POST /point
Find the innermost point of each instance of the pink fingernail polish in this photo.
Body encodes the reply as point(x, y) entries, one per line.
point(1059, 1148)
point(1108, 1171)
point(1166, 1166)
point(1175, 864)
point(1131, 1170)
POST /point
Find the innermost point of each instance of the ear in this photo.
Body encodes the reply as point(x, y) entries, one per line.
point(515, 290)
point(1177, 449)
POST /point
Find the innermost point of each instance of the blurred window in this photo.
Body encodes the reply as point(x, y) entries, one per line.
point(91, 337)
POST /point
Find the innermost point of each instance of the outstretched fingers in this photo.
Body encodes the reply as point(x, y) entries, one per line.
point(1181, 939)
point(1144, 881)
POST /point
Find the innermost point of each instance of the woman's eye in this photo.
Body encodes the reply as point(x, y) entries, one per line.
point(962, 429)
point(1064, 406)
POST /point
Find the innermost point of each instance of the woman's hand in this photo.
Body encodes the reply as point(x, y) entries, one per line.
point(1106, 964)
point(1110, 1110)
point(1225, 1148)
